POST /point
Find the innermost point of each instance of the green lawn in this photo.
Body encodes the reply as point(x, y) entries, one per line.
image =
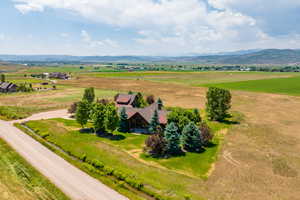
point(123, 152)
point(19, 181)
point(289, 86)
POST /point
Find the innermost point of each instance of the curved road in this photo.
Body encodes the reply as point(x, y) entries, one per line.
point(72, 181)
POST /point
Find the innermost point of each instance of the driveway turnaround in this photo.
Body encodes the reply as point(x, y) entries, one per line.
point(73, 182)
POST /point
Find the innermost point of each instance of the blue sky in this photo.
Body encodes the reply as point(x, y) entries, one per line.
point(146, 27)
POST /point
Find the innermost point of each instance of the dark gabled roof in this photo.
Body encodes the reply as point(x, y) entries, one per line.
point(148, 112)
point(125, 99)
point(6, 85)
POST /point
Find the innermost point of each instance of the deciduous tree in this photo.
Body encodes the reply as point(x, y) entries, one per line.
point(82, 113)
point(98, 117)
point(218, 103)
point(112, 117)
point(2, 78)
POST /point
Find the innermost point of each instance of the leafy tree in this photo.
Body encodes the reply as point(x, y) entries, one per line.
point(191, 138)
point(172, 138)
point(123, 123)
point(82, 113)
point(218, 103)
point(89, 95)
point(154, 123)
point(150, 99)
point(196, 116)
point(98, 117)
point(2, 78)
point(112, 117)
point(140, 101)
point(130, 92)
point(155, 145)
point(206, 133)
point(181, 117)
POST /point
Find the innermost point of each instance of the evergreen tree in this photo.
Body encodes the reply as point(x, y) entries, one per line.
point(98, 117)
point(154, 122)
point(2, 78)
point(172, 138)
point(112, 117)
point(191, 138)
point(89, 95)
point(123, 126)
point(218, 103)
point(160, 104)
point(82, 113)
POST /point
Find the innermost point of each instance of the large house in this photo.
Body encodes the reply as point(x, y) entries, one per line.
point(6, 87)
point(139, 119)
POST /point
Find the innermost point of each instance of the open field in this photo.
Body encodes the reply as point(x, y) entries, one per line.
point(123, 152)
point(24, 104)
point(289, 86)
point(19, 181)
point(191, 78)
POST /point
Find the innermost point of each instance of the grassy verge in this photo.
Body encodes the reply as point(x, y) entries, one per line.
point(122, 155)
point(19, 181)
point(15, 112)
point(289, 86)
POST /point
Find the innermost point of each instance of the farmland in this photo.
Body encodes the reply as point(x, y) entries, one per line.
point(289, 86)
point(265, 143)
point(19, 181)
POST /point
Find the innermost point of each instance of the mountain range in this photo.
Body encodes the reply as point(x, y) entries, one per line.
point(266, 56)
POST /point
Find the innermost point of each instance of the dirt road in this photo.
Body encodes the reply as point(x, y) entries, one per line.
point(72, 181)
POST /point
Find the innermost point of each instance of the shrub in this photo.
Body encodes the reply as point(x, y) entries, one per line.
point(150, 99)
point(206, 133)
point(73, 108)
point(155, 145)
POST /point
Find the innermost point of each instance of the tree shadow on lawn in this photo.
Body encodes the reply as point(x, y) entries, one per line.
point(111, 136)
point(87, 130)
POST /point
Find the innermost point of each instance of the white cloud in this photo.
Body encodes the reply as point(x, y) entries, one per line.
point(177, 25)
point(2, 37)
point(97, 43)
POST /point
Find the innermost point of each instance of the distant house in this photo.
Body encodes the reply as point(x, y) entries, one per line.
point(6, 87)
point(59, 75)
point(126, 100)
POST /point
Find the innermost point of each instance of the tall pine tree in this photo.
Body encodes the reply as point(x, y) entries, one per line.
point(172, 138)
point(154, 122)
point(191, 138)
point(123, 123)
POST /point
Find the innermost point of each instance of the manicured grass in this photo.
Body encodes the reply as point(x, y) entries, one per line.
point(124, 152)
point(289, 86)
point(19, 181)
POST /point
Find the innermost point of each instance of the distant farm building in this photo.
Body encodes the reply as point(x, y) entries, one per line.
point(59, 75)
point(6, 87)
